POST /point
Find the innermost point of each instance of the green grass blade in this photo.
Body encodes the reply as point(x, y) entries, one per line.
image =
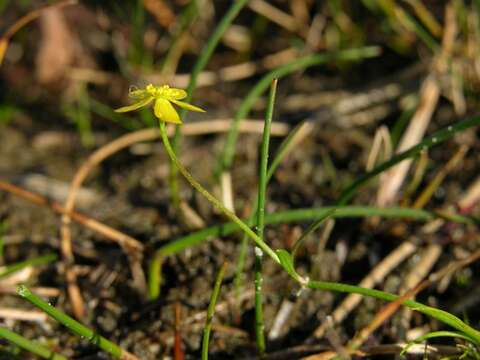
point(401, 123)
point(226, 158)
point(286, 146)
point(297, 215)
point(73, 325)
point(41, 260)
point(451, 320)
point(211, 311)
point(30, 346)
point(422, 33)
point(433, 335)
point(440, 315)
point(311, 229)
point(155, 276)
point(207, 52)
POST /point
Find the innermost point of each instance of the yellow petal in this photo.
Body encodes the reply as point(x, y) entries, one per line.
point(175, 94)
point(165, 111)
point(135, 106)
point(187, 106)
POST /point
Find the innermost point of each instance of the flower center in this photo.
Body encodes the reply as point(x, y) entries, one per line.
point(157, 91)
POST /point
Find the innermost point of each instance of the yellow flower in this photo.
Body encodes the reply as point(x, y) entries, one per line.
point(164, 96)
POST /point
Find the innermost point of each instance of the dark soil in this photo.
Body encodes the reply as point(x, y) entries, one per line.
point(129, 192)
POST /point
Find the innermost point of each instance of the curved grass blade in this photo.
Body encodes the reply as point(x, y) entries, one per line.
point(311, 229)
point(438, 314)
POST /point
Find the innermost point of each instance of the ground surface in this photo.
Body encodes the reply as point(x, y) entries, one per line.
point(43, 106)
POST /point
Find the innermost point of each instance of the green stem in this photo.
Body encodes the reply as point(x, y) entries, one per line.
point(73, 325)
point(285, 147)
point(28, 345)
point(41, 260)
point(214, 201)
point(211, 311)
point(263, 173)
point(200, 64)
point(262, 188)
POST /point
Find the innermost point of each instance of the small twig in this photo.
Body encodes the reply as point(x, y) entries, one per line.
point(382, 137)
point(282, 316)
point(178, 353)
point(334, 339)
point(471, 197)
point(42, 291)
point(418, 272)
point(122, 239)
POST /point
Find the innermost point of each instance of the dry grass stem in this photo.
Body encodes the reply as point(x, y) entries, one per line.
point(274, 14)
point(23, 315)
point(391, 180)
point(382, 137)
